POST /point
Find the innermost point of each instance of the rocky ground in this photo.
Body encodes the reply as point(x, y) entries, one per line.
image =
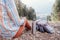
point(27, 35)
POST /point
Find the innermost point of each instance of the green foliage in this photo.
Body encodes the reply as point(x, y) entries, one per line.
point(31, 14)
point(26, 12)
point(48, 18)
point(56, 11)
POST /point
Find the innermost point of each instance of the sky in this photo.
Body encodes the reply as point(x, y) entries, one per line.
point(42, 7)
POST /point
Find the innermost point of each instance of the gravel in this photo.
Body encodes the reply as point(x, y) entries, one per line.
point(27, 35)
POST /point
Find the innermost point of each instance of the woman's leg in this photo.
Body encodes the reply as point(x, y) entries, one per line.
point(21, 29)
point(27, 25)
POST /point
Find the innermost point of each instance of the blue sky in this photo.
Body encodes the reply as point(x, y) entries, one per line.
point(42, 7)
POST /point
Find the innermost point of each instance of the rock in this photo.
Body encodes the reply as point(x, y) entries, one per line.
point(58, 32)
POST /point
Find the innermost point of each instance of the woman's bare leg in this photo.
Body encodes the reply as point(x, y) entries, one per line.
point(21, 29)
point(27, 25)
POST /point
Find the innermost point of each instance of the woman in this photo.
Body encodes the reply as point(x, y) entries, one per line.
point(11, 26)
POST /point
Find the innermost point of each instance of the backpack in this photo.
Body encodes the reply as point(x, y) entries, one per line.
point(44, 27)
